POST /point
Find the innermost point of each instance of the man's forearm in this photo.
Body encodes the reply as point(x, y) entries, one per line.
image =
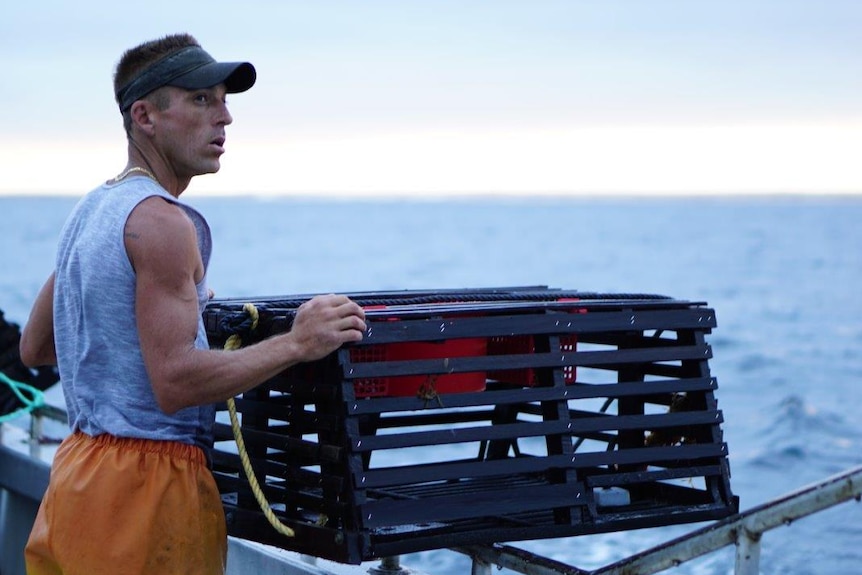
point(37, 338)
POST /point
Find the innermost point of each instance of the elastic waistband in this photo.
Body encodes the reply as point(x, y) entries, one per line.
point(172, 449)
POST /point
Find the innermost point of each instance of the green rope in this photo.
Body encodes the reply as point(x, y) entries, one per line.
point(31, 397)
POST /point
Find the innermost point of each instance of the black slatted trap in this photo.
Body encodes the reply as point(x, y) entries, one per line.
point(478, 416)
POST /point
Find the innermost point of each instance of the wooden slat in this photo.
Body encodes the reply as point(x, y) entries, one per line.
point(535, 429)
point(445, 471)
point(554, 323)
point(354, 371)
point(469, 503)
point(532, 394)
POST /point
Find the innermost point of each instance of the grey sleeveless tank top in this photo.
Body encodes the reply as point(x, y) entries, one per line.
point(102, 372)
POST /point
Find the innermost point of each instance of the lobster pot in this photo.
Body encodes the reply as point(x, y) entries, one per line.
point(479, 416)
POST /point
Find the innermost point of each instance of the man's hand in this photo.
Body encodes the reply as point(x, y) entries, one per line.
point(325, 323)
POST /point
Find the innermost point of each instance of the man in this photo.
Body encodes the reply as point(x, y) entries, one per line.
point(131, 490)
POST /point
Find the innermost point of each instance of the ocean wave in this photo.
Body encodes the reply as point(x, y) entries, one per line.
point(797, 431)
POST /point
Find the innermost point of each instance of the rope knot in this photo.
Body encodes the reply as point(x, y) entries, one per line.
point(238, 327)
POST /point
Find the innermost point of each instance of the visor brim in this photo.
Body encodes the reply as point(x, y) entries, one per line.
point(236, 76)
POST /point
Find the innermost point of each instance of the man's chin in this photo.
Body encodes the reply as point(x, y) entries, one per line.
point(210, 169)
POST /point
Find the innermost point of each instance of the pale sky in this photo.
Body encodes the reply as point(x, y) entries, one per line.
point(443, 97)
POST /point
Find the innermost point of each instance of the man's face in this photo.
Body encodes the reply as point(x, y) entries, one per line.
point(190, 131)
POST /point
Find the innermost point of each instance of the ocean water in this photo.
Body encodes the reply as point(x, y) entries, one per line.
point(784, 275)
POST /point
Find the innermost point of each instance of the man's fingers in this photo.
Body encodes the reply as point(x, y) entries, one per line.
point(353, 322)
point(352, 335)
point(347, 307)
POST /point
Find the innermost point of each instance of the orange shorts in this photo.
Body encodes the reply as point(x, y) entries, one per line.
point(128, 506)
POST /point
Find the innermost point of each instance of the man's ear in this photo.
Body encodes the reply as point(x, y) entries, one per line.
point(142, 112)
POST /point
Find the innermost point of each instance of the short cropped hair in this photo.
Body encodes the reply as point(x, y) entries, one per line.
point(136, 60)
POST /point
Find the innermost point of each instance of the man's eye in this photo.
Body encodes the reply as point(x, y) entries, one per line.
point(202, 98)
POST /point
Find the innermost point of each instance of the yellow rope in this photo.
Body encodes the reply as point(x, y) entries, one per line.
point(232, 343)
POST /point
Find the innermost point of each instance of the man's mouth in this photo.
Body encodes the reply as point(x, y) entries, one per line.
point(218, 142)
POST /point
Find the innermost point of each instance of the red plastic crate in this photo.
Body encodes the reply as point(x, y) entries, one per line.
point(525, 344)
point(420, 385)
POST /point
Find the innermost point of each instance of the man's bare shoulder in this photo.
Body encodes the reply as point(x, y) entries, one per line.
point(160, 236)
point(157, 217)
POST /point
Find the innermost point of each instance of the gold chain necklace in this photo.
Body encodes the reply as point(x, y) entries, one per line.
point(144, 171)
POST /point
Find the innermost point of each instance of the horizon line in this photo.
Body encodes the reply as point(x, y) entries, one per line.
point(467, 194)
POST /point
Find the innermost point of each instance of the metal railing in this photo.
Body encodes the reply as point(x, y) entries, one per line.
point(744, 530)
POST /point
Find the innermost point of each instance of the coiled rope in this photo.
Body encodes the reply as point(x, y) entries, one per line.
point(235, 342)
point(31, 397)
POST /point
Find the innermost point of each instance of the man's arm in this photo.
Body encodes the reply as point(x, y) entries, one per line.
point(37, 338)
point(162, 247)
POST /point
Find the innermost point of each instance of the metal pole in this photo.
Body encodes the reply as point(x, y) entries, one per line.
point(518, 560)
point(35, 434)
point(747, 552)
point(480, 567)
point(388, 566)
